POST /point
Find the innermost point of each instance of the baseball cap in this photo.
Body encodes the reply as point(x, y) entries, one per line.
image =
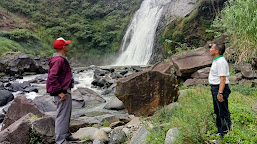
point(60, 43)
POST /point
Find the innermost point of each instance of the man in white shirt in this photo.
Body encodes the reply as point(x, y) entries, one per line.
point(219, 80)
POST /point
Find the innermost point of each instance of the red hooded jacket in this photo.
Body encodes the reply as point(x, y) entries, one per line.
point(59, 75)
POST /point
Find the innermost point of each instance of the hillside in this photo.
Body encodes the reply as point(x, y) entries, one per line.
point(95, 27)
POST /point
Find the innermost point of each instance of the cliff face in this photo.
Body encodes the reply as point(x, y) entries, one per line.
point(184, 22)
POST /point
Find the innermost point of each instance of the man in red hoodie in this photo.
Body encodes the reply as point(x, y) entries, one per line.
point(59, 83)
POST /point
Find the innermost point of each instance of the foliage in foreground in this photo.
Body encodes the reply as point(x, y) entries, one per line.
point(239, 20)
point(196, 121)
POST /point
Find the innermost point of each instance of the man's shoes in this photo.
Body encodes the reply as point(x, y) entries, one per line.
point(72, 139)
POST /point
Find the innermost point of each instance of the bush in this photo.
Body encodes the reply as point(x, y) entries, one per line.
point(239, 20)
point(196, 121)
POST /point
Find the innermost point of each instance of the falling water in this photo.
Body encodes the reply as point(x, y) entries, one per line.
point(139, 38)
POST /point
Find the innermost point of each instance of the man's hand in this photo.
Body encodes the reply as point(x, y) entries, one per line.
point(220, 98)
point(63, 96)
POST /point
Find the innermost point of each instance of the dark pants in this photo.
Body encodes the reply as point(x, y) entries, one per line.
point(62, 120)
point(221, 110)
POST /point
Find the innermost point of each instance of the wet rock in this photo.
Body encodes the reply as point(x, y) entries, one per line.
point(5, 97)
point(117, 136)
point(1, 86)
point(20, 107)
point(187, 64)
point(142, 93)
point(23, 87)
point(18, 132)
point(39, 79)
point(1, 117)
point(106, 92)
point(114, 104)
point(45, 127)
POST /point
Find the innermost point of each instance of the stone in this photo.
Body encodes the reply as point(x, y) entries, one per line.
point(5, 97)
point(114, 104)
point(140, 136)
point(45, 127)
point(117, 137)
point(88, 95)
point(97, 141)
point(18, 132)
point(101, 135)
point(77, 123)
point(106, 129)
point(144, 92)
point(187, 64)
point(195, 82)
point(45, 103)
point(20, 107)
point(163, 67)
point(249, 74)
point(135, 121)
point(242, 66)
point(125, 130)
point(171, 136)
point(246, 82)
point(202, 73)
point(116, 124)
point(87, 132)
point(1, 117)
point(18, 63)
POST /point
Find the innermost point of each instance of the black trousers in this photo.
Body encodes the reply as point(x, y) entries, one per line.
point(221, 110)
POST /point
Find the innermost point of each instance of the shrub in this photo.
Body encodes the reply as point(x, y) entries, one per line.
point(239, 20)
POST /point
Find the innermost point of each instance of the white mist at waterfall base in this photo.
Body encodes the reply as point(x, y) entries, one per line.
point(138, 41)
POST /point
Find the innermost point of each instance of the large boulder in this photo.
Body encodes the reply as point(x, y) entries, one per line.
point(41, 64)
point(45, 127)
point(24, 87)
point(164, 67)
point(20, 107)
point(187, 64)
point(18, 132)
point(18, 63)
point(5, 97)
point(143, 92)
point(45, 103)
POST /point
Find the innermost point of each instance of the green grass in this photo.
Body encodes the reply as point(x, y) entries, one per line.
point(196, 121)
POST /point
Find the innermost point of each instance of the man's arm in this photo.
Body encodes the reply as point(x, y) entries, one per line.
point(221, 88)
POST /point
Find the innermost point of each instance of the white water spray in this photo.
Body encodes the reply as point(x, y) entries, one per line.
point(138, 41)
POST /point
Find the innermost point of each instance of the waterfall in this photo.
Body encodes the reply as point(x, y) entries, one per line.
point(138, 41)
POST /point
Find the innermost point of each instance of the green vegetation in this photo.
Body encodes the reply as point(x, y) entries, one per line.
point(239, 20)
point(190, 32)
point(35, 138)
point(196, 121)
point(95, 27)
point(106, 123)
